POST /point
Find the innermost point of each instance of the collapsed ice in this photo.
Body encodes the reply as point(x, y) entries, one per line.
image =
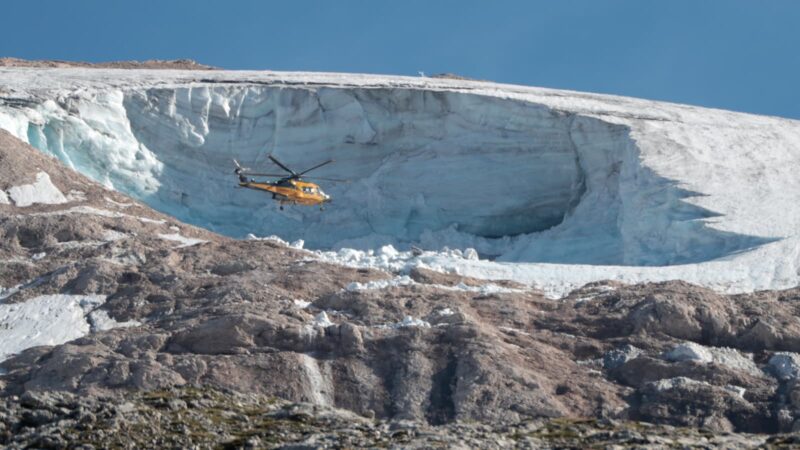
point(520, 174)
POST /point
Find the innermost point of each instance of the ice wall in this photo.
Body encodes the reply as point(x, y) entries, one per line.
point(517, 180)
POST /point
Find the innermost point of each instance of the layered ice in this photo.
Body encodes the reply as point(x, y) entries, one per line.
point(583, 183)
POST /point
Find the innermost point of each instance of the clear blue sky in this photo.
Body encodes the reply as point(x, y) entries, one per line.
point(733, 54)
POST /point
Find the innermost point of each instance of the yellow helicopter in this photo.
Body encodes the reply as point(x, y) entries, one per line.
point(289, 189)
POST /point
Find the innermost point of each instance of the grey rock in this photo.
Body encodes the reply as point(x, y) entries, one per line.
point(615, 358)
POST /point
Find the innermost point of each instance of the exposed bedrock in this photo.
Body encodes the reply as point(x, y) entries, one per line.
point(516, 180)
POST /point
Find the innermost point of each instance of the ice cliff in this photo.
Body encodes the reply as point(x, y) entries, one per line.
point(521, 174)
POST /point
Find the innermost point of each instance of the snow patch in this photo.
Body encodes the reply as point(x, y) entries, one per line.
point(154, 221)
point(45, 320)
point(298, 244)
point(4, 198)
point(444, 312)
point(738, 390)
point(118, 204)
point(90, 210)
point(42, 191)
point(689, 351)
point(183, 240)
point(405, 280)
point(355, 286)
point(730, 357)
point(322, 321)
point(76, 196)
point(301, 304)
point(407, 322)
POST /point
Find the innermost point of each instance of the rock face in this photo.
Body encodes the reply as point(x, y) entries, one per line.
point(180, 307)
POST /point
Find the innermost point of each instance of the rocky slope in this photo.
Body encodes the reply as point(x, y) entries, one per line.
point(177, 307)
point(207, 418)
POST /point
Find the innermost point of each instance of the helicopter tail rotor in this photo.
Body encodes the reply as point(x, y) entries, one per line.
point(239, 169)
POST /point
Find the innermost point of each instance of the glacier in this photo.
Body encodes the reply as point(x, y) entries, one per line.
point(552, 188)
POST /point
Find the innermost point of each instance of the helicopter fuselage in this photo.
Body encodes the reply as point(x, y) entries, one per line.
point(290, 191)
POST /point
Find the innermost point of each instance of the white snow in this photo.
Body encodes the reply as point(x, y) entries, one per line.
point(445, 312)
point(44, 320)
point(405, 280)
point(300, 303)
point(738, 390)
point(407, 322)
point(153, 221)
point(355, 286)
point(691, 351)
point(50, 319)
point(76, 196)
point(560, 188)
point(90, 210)
point(4, 198)
point(183, 240)
point(118, 204)
point(322, 320)
point(42, 191)
point(298, 244)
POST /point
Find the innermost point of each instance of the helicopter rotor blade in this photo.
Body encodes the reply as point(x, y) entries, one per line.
point(264, 174)
point(282, 166)
point(336, 180)
point(316, 167)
